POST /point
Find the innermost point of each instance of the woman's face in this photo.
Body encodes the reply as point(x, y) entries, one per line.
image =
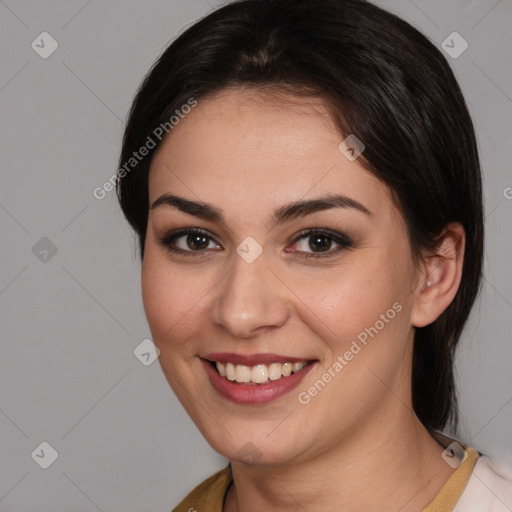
point(254, 281)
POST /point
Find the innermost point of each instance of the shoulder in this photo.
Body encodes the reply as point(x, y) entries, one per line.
point(208, 495)
point(489, 487)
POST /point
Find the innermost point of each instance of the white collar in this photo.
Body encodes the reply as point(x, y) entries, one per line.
point(489, 488)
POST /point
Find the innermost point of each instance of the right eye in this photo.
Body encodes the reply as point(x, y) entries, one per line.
point(188, 241)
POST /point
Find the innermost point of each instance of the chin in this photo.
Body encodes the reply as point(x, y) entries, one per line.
point(256, 448)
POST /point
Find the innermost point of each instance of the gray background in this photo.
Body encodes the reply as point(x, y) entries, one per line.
point(70, 323)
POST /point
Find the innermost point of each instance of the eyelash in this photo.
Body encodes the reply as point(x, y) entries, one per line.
point(343, 241)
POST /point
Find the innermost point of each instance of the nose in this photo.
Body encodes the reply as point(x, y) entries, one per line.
point(250, 299)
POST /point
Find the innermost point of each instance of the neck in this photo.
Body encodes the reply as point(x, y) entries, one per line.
point(392, 464)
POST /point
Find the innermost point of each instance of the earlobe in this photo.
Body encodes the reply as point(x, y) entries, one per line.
point(441, 277)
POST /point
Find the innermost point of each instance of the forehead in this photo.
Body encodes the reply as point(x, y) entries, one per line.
point(244, 148)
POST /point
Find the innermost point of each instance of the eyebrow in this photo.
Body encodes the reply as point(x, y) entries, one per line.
point(284, 213)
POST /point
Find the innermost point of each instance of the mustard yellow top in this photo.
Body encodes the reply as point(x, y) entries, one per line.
point(210, 494)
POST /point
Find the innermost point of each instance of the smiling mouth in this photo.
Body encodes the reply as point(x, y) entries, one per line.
point(258, 374)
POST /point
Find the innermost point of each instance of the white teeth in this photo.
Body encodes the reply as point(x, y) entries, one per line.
point(258, 374)
point(230, 371)
point(242, 373)
point(286, 369)
point(297, 367)
point(274, 371)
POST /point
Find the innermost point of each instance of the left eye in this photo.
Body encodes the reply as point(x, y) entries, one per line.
point(320, 242)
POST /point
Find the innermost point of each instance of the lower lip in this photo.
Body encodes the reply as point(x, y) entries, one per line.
point(257, 393)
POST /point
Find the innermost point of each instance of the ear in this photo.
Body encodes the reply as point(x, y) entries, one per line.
point(441, 277)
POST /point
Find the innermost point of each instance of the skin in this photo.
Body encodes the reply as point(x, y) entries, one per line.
point(247, 154)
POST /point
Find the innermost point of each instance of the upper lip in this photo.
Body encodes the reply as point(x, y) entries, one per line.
point(252, 359)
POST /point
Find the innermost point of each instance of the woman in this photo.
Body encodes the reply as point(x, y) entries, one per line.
point(305, 184)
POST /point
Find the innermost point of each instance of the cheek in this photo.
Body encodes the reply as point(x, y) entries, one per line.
point(345, 301)
point(171, 299)
point(348, 300)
